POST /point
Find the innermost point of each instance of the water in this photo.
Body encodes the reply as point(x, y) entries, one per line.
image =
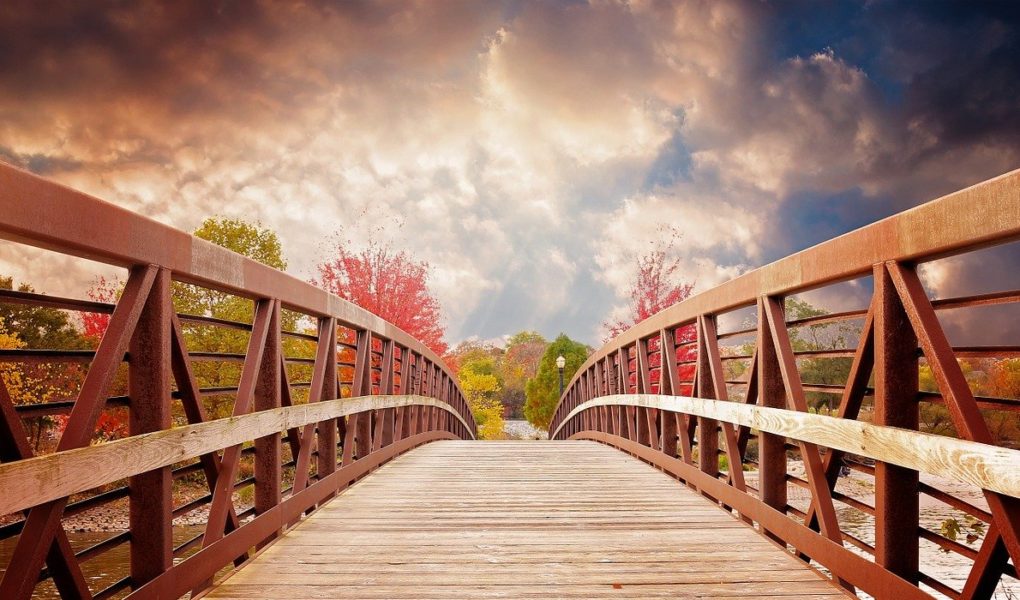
point(523, 430)
point(102, 570)
point(948, 567)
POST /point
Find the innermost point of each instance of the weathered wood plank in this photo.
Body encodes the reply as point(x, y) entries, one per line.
point(521, 520)
point(35, 481)
point(983, 465)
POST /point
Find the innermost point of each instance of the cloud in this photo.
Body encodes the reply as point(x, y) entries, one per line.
point(521, 148)
point(985, 271)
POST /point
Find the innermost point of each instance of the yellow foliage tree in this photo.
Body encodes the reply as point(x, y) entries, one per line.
point(481, 386)
point(10, 372)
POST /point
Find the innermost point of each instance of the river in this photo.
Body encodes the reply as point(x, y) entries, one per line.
point(103, 570)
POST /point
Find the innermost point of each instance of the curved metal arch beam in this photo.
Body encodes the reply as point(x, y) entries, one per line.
point(110, 234)
point(982, 215)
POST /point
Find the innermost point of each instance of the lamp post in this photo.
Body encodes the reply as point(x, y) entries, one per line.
point(560, 363)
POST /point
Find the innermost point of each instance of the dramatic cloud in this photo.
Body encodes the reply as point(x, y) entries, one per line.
point(522, 148)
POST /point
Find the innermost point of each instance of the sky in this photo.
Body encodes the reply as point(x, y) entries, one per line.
point(529, 151)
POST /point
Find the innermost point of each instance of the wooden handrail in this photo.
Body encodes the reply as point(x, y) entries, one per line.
point(677, 353)
point(31, 482)
point(982, 465)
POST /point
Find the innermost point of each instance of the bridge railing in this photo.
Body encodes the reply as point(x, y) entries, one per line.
point(313, 390)
point(728, 408)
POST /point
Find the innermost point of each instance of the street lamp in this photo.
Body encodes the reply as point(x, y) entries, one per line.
point(560, 363)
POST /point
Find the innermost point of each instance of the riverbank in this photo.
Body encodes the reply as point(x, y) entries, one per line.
point(114, 517)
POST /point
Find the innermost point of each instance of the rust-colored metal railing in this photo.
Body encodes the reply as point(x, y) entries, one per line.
point(312, 408)
point(727, 412)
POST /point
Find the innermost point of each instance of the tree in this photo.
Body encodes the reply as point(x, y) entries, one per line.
point(387, 283)
point(542, 392)
point(520, 363)
point(825, 336)
point(656, 285)
point(262, 245)
point(247, 239)
point(471, 350)
point(94, 324)
point(9, 373)
point(258, 243)
point(39, 328)
point(480, 381)
point(251, 240)
point(1004, 378)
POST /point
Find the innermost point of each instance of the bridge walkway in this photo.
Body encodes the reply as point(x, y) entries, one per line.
point(568, 519)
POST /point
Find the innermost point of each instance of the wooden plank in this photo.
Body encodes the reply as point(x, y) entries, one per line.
point(34, 481)
point(521, 520)
point(983, 465)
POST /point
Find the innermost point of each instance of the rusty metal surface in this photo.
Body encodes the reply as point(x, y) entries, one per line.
point(98, 230)
point(677, 352)
point(320, 456)
point(984, 214)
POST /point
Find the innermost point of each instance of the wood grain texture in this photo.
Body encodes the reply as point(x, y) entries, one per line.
point(28, 483)
point(983, 465)
point(521, 520)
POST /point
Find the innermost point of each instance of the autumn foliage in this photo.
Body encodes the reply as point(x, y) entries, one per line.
point(656, 285)
point(388, 283)
point(94, 324)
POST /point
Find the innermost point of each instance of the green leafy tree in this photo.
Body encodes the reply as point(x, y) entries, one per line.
point(805, 338)
point(258, 243)
point(38, 326)
point(471, 350)
point(542, 391)
point(262, 245)
point(825, 336)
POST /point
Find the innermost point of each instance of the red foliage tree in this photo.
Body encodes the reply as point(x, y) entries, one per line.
point(390, 284)
point(94, 324)
point(656, 286)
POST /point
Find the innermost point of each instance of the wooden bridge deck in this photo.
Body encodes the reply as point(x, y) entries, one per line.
point(521, 520)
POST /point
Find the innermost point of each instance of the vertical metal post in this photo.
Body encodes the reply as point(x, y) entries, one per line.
point(267, 396)
point(327, 430)
point(669, 384)
point(363, 387)
point(771, 393)
point(708, 429)
point(149, 388)
point(896, 383)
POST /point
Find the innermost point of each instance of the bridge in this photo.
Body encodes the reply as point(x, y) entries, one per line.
point(686, 457)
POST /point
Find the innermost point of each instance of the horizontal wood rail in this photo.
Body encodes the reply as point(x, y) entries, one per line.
point(34, 481)
point(281, 358)
point(983, 465)
point(681, 391)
